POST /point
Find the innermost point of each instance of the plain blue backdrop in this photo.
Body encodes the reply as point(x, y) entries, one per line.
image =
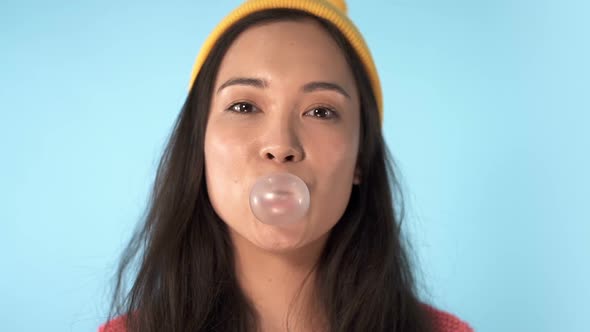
point(486, 113)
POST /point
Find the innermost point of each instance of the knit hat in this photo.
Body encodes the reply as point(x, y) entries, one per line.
point(333, 11)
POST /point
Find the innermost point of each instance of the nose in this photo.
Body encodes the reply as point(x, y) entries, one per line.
point(281, 154)
point(281, 145)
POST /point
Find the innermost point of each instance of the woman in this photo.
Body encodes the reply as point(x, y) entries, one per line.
point(279, 87)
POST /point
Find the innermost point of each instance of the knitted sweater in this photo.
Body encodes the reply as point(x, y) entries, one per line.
point(443, 322)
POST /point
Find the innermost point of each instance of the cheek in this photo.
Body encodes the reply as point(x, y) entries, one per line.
point(224, 173)
point(335, 156)
point(225, 150)
point(217, 158)
point(335, 164)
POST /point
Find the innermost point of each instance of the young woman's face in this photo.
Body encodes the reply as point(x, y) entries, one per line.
point(284, 100)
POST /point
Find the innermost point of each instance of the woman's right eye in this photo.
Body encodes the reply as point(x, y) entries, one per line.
point(242, 107)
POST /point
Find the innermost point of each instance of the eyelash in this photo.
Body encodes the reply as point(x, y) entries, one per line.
point(334, 115)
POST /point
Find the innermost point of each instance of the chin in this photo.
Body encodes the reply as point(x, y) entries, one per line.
point(278, 239)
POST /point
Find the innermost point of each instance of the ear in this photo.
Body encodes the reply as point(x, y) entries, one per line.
point(357, 175)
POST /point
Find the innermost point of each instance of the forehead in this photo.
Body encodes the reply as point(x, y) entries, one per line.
point(296, 51)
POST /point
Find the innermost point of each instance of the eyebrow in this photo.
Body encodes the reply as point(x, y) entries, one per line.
point(307, 88)
point(255, 82)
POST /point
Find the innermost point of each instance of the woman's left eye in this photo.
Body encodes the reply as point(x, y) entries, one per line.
point(322, 113)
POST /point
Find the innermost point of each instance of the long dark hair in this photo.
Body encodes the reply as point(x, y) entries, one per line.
point(186, 279)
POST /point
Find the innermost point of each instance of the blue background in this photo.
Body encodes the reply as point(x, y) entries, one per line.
point(486, 112)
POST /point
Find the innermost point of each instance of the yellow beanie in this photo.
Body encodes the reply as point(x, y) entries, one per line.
point(333, 11)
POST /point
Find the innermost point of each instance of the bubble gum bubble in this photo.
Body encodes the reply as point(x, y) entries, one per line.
point(279, 199)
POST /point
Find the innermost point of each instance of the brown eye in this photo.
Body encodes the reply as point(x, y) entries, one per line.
point(242, 107)
point(322, 113)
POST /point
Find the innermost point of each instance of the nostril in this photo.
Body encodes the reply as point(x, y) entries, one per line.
point(288, 158)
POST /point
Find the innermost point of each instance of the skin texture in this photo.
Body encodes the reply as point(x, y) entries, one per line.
point(276, 121)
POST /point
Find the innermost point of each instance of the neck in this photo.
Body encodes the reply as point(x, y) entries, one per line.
point(279, 285)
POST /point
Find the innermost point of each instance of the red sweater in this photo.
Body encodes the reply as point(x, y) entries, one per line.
point(443, 322)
